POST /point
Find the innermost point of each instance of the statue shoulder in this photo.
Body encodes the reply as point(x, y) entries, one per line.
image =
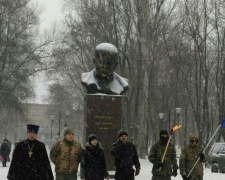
point(123, 81)
point(88, 77)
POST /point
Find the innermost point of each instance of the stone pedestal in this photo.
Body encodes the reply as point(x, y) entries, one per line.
point(102, 114)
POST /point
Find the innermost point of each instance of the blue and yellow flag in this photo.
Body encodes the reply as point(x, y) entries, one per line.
point(223, 123)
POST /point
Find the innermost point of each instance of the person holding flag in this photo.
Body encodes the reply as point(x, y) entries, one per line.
point(163, 157)
point(189, 156)
point(188, 172)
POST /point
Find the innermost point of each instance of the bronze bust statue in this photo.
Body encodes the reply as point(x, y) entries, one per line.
point(103, 79)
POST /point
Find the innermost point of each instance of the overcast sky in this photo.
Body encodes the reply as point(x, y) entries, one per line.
point(52, 14)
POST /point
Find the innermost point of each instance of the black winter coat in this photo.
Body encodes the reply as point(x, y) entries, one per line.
point(93, 164)
point(125, 156)
point(5, 150)
point(36, 167)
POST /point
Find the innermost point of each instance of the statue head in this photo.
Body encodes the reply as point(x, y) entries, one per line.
point(103, 79)
point(105, 60)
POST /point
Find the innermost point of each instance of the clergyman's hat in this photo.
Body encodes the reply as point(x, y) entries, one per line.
point(31, 128)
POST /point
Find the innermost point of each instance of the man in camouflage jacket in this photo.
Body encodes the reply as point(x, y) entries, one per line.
point(188, 158)
point(163, 171)
point(66, 155)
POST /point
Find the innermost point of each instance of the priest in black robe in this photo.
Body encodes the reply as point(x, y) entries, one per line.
point(30, 160)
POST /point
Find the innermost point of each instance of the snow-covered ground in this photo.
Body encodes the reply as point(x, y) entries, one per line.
point(144, 175)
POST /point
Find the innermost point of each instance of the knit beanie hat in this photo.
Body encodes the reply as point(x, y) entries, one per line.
point(122, 132)
point(68, 131)
point(91, 137)
point(163, 132)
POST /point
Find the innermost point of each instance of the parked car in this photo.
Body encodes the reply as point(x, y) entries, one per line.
point(216, 158)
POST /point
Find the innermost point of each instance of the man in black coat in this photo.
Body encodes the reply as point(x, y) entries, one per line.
point(126, 156)
point(30, 159)
point(5, 151)
point(93, 164)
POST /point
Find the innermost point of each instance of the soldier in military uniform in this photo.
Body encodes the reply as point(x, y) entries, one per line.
point(30, 159)
point(188, 158)
point(163, 171)
point(66, 155)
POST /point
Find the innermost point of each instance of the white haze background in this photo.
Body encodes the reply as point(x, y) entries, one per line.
point(52, 14)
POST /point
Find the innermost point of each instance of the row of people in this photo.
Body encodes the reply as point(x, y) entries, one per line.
point(189, 156)
point(30, 159)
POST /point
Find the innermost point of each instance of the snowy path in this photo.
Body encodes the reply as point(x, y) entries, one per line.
point(145, 173)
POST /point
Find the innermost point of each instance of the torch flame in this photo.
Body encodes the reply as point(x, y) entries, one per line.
point(176, 128)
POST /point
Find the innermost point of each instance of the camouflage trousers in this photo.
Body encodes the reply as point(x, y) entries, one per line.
point(154, 177)
point(66, 176)
point(196, 177)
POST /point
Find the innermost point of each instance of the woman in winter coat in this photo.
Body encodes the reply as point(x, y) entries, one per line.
point(93, 164)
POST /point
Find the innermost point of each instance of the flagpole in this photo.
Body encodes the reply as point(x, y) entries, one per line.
point(204, 150)
point(212, 138)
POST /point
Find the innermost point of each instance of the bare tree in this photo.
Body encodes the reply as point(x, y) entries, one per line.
point(22, 53)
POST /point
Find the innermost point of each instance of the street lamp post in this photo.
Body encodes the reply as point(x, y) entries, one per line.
point(52, 118)
point(59, 122)
point(178, 110)
point(67, 117)
point(161, 115)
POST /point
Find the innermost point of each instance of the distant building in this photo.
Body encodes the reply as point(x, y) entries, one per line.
point(33, 114)
point(37, 114)
point(40, 114)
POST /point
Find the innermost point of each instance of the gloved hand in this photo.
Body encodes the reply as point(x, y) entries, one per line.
point(159, 164)
point(202, 156)
point(186, 178)
point(137, 171)
point(174, 173)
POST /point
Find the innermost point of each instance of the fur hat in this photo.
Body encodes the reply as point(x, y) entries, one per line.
point(68, 131)
point(193, 136)
point(91, 137)
point(122, 132)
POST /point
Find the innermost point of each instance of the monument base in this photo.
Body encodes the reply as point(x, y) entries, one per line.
point(103, 114)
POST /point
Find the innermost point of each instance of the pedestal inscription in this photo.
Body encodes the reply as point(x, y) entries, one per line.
point(103, 116)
